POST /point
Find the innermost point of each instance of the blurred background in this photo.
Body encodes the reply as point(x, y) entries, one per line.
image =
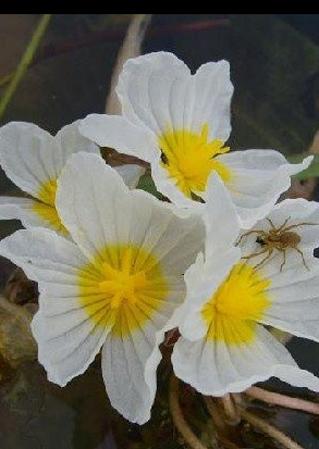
point(275, 69)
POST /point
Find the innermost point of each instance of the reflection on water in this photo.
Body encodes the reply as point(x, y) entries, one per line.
point(273, 108)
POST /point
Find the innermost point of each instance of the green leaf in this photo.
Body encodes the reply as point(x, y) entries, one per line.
point(146, 183)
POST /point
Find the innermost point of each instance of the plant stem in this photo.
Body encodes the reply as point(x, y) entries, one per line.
point(270, 430)
point(215, 414)
point(131, 48)
point(230, 409)
point(178, 417)
point(219, 422)
point(24, 62)
point(283, 400)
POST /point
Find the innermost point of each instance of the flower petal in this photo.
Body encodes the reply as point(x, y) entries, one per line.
point(203, 278)
point(68, 340)
point(88, 205)
point(213, 93)
point(31, 157)
point(129, 363)
point(259, 178)
point(294, 294)
point(207, 273)
point(131, 174)
point(15, 208)
point(158, 91)
point(220, 216)
point(31, 213)
point(123, 364)
point(117, 132)
point(111, 213)
point(149, 87)
point(215, 368)
point(70, 141)
point(168, 187)
point(27, 155)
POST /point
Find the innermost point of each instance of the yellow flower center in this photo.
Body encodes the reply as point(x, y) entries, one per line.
point(122, 288)
point(189, 159)
point(232, 313)
point(45, 207)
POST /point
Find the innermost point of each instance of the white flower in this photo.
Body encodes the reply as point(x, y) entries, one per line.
point(224, 345)
point(33, 160)
point(118, 286)
point(179, 123)
point(130, 173)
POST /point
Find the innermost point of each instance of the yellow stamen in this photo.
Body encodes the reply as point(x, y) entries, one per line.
point(232, 313)
point(122, 288)
point(45, 207)
point(189, 159)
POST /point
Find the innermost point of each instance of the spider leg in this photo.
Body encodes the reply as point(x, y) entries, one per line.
point(299, 224)
point(284, 224)
point(303, 258)
point(284, 261)
point(271, 223)
point(255, 254)
point(254, 231)
point(270, 251)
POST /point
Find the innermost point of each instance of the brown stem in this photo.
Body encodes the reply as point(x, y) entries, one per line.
point(215, 414)
point(283, 400)
point(131, 48)
point(238, 398)
point(178, 417)
point(230, 409)
point(270, 430)
point(220, 423)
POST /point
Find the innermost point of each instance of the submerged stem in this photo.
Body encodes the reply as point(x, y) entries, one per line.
point(178, 417)
point(25, 62)
point(270, 430)
point(283, 400)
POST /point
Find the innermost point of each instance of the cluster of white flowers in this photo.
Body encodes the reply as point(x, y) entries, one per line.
point(117, 268)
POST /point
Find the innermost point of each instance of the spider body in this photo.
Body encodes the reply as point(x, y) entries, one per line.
point(282, 238)
point(279, 241)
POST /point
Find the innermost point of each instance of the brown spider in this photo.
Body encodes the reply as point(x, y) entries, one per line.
point(281, 239)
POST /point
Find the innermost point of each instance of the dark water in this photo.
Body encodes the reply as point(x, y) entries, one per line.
point(275, 70)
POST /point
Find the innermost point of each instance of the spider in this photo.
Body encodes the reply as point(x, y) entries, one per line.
point(281, 239)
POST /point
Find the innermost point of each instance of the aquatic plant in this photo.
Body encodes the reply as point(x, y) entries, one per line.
point(202, 275)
